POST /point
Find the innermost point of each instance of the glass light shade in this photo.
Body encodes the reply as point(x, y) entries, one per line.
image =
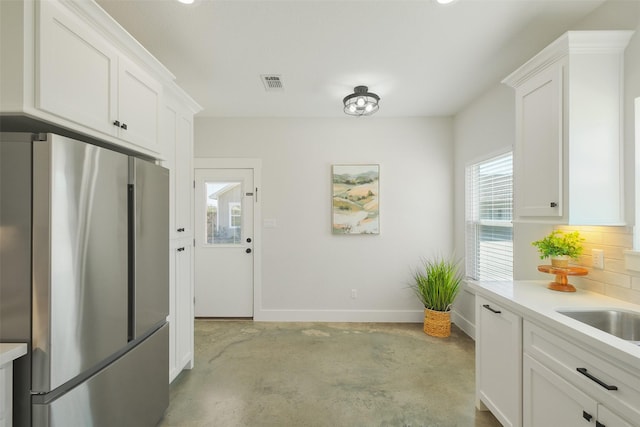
point(361, 102)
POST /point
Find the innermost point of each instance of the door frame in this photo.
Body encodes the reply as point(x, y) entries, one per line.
point(240, 163)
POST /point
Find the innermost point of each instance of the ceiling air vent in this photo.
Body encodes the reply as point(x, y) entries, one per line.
point(272, 82)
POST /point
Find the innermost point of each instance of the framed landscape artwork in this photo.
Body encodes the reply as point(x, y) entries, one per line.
point(356, 191)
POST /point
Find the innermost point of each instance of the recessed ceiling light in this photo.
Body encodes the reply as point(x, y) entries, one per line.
point(445, 1)
point(186, 1)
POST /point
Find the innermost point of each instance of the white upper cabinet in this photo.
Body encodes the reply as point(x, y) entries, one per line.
point(138, 106)
point(75, 68)
point(568, 142)
point(79, 81)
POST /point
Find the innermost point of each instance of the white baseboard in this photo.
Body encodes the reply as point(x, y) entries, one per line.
point(461, 322)
point(369, 316)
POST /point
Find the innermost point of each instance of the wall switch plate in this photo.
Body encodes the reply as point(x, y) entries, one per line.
point(597, 258)
point(354, 293)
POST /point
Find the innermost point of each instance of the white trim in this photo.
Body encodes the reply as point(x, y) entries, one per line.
point(392, 316)
point(256, 165)
point(486, 156)
point(466, 325)
point(636, 228)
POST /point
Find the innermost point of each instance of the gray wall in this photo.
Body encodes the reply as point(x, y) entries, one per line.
point(308, 273)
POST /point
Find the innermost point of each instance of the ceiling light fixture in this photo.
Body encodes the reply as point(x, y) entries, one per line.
point(361, 102)
point(186, 1)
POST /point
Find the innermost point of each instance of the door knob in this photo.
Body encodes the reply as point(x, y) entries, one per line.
point(248, 239)
point(248, 250)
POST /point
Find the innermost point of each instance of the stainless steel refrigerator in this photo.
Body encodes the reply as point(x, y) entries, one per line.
point(84, 280)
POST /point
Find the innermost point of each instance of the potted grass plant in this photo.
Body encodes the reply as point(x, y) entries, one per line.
point(560, 247)
point(436, 283)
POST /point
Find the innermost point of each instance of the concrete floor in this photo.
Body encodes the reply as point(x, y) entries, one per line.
point(326, 374)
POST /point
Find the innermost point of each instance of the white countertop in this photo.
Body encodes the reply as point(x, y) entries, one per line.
point(534, 301)
point(11, 351)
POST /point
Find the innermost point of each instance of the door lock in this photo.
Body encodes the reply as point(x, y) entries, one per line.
point(248, 250)
point(248, 239)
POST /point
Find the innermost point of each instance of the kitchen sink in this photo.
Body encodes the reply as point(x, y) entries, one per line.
point(622, 324)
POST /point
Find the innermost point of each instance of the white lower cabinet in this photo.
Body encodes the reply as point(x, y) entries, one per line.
point(181, 307)
point(549, 400)
point(567, 385)
point(532, 375)
point(498, 366)
point(606, 418)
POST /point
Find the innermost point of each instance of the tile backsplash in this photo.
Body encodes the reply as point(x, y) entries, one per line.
point(614, 280)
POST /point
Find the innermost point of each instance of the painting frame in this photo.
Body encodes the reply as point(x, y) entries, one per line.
point(355, 199)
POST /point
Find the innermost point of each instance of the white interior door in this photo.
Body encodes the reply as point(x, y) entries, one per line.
point(224, 243)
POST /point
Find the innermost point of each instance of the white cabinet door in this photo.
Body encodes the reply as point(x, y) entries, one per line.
point(184, 175)
point(138, 106)
point(548, 400)
point(77, 71)
point(181, 312)
point(6, 397)
point(498, 361)
point(538, 147)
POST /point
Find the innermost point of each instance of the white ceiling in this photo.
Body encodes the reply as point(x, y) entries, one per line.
point(422, 58)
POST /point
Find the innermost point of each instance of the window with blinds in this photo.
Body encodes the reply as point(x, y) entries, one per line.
point(489, 230)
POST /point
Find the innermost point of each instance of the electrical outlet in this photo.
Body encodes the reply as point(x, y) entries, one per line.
point(354, 293)
point(597, 258)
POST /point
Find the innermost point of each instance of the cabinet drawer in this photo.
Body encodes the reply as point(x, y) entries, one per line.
point(566, 359)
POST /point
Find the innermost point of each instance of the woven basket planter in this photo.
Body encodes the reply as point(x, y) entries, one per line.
point(437, 323)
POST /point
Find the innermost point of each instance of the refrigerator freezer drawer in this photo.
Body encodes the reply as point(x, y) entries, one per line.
point(133, 391)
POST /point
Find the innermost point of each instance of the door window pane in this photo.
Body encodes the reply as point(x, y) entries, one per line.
point(224, 213)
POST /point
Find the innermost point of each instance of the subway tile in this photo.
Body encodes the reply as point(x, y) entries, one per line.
point(618, 239)
point(623, 294)
point(587, 284)
point(618, 266)
point(615, 252)
point(614, 280)
point(610, 278)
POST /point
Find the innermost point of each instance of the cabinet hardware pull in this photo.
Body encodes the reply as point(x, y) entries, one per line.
point(599, 424)
point(587, 416)
point(124, 126)
point(553, 205)
point(584, 372)
point(180, 230)
point(116, 123)
point(181, 249)
point(488, 307)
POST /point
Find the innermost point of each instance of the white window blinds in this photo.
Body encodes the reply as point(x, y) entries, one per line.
point(488, 206)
